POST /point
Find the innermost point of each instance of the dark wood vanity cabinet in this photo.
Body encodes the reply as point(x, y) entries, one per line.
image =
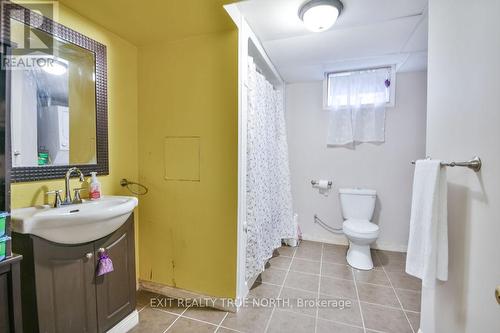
point(65, 291)
point(60, 290)
point(115, 292)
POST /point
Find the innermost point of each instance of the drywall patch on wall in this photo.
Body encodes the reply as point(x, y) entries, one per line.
point(181, 158)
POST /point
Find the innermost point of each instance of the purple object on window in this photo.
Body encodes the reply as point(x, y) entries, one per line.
point(105, 264)
point(387, 83)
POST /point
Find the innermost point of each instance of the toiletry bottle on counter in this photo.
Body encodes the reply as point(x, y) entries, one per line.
point(95, 187)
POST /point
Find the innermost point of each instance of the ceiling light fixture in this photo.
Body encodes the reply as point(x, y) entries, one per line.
point(320, 15)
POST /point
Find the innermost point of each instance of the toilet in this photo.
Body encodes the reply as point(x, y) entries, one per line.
point(357, 209)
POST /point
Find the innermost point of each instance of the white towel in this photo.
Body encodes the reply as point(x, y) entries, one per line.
point(427, 256)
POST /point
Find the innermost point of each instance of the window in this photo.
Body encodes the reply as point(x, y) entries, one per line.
point(359, 88)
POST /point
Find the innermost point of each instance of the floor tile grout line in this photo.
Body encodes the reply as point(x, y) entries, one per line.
point(327, 276)
point(319, 287)
point(281, 289)
point(346, 246)
point(358, 299)
point(282, 286)
point(328, 320)
point(224, 318)
point(320, 275)
point(330, 295)
point(220, 322)
point(172, 324)
point(312, 292)
point(178, 316)
point(397, 297)
point(387, 306)
point(377, 331)
point(199, 320)
point(292, 288)
point(231, 329)
point(336, 278)
point(387, 286)
point(324, 260)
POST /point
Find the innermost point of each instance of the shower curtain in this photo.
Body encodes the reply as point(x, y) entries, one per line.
point(269, 198)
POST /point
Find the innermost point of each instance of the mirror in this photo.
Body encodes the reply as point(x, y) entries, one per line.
point(52, 103)
point(57, 97)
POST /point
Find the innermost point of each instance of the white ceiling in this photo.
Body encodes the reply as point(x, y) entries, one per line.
point(367, 33)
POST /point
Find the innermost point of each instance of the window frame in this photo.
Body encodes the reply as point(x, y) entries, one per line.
point(392, 88)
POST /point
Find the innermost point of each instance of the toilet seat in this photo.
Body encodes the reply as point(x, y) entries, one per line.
point(361, 228)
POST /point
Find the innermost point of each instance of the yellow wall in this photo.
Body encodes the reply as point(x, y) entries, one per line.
point(188, 87)
point(188, 228)
point(122, 113)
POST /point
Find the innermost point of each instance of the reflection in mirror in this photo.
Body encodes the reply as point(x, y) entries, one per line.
point(53, 101)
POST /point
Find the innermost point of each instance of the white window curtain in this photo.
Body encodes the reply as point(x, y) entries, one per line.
point(357, 101)
point(269, 198)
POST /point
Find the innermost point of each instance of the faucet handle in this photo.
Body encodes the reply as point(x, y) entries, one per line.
point(77, 198)
point(58, 200)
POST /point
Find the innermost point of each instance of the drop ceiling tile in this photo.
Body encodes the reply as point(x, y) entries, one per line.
point(368, 33)
point(277, 19)
point(359, 42)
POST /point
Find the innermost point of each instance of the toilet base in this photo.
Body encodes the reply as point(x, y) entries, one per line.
point(359, 256)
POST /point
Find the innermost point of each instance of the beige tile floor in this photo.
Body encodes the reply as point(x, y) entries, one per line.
point(384, 300)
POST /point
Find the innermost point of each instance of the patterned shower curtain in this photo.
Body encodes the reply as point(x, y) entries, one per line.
point(269, 198)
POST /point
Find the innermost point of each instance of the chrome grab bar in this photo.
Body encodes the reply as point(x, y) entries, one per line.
point(315, 183)
point(474, 164)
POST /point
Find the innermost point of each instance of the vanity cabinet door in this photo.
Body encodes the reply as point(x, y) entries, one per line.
point(116, 290)
point(65, 290)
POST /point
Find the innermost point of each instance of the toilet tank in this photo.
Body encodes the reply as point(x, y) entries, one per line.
point(357, 203)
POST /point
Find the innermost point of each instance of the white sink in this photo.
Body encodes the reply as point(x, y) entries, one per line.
point(74, 224)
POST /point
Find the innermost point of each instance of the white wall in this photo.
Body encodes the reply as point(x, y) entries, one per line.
point(24, 115)
point(463, 121)
point(383, 167)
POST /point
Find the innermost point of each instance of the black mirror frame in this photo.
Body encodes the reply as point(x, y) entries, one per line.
point(37, 21)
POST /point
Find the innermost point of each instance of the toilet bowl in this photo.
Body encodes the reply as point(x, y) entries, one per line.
point(357, 209)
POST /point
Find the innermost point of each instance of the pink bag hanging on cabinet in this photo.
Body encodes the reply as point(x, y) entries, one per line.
point(105, 264)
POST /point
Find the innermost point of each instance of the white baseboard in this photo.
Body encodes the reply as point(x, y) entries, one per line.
point(224, 304)
point(390, 247)
point(342, 240)
point(126, 324)
point(332, 239)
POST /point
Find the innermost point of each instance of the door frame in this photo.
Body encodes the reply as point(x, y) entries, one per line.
point(246, 37)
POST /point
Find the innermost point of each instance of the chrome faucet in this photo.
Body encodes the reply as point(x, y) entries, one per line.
point(67, 199)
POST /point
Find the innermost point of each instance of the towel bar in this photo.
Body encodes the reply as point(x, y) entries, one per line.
point(474, 164)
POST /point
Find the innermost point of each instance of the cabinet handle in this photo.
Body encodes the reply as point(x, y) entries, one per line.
point(89, 255)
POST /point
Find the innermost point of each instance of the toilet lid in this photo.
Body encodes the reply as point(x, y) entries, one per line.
point(360, 226)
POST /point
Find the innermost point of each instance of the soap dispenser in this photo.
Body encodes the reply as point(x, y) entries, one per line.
point(95, 187)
